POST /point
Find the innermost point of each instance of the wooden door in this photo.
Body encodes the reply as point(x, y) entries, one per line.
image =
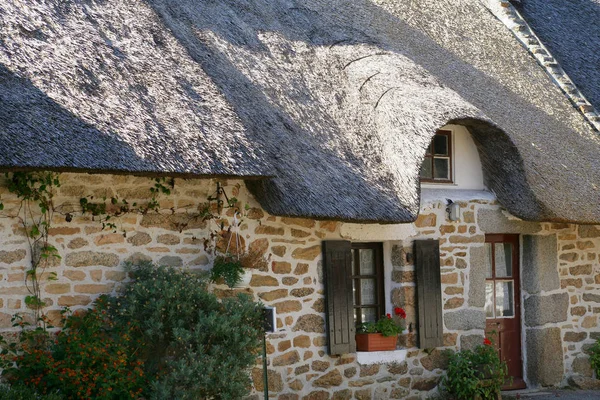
point(502, 305)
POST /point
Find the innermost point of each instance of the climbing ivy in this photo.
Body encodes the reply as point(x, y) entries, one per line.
point(35, 213)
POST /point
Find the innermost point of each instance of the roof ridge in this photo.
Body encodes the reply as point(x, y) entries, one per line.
point(504, 11)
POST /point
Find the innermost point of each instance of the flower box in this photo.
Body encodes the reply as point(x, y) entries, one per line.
point(375, 342)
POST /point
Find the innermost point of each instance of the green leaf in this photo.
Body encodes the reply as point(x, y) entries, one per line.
point(1, 206)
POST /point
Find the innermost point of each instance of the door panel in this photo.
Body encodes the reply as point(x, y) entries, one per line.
point(502, 306)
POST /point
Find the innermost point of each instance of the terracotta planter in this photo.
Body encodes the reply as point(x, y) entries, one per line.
point(375, 342)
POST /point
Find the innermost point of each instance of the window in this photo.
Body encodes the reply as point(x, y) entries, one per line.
point(367, 282)
point(354, 291)
point(437, 165)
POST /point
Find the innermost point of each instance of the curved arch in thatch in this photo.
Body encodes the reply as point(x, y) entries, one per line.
point(503, 168)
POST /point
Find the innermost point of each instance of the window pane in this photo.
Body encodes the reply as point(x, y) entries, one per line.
point(354, 267)
point(368, 292)
point(442, 168)
point(367, 262)
point(440, 145)
point(503, 259)
point(369, 314)
point(426, 171)
point(505, 306)
point(489, 300)
point(488, 260)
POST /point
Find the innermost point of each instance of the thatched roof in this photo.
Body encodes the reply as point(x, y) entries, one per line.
point(571, 31)
point(104, 86)
point(336, 99)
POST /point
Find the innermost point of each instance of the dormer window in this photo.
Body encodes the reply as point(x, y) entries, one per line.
point(437, 165)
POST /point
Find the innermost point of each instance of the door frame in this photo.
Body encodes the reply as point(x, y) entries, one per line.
point(515, 240)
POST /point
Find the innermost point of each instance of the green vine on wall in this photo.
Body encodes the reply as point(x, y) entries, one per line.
point(36, 210)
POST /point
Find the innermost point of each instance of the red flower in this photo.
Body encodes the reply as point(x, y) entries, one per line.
point(389, 316)
point(400, 312)
point(487, 342)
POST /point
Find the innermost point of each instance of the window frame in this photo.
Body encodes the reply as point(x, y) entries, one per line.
point(431, 155)
point(377, 248)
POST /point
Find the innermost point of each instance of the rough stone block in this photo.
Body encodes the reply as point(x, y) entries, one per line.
point(286, 359)
point(94, 288)
point(171, 261)
point(540, 272)
point(269, 230)
point(545, 366)
point(288, 306)
point(437, 359)
point(309, 253)
point(77, 243)
point(109, 238)
point(540, 310)
point(477, 277)
point(595, 298)
point(9, 257)
point(426, 220)
point(574, 337)
point(332, 378)
point(581, 365)
point(263, 280)
point(279, 251)
point(425, 384)
point(310, 323)
point(274, 378)
point(273, 295)
point(469, 342)
point(168, 239)
point(465, 319)
point(89, 258)
point(281, 267)
point(588, 231)
point(495, 221)
point(77, 300)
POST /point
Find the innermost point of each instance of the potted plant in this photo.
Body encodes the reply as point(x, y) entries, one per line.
point(236, 270)
point(475, 374)
point(381, 335)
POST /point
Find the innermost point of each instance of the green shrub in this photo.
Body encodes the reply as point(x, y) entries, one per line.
point(594, 353)
point(20, 392)
point(92, 357)
point(195, 345)
point(477, 372)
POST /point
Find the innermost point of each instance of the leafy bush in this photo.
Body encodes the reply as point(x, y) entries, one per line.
point(477, 372)
point(20, 392)
point(92, 357)
point(195, 345)
point(594, 353)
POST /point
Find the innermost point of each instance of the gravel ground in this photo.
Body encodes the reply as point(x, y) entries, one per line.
point(554, 395)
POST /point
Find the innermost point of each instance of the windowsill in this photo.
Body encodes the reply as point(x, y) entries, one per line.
point(380, 357)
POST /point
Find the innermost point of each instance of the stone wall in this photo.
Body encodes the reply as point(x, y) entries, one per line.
point(299, 367)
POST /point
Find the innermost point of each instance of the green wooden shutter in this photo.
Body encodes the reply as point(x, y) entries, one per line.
point(337, 265)
point(429, 293)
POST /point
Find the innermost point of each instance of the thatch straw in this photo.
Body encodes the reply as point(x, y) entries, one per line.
point(336, 99)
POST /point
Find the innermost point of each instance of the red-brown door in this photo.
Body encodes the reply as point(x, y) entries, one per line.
point(502, 303)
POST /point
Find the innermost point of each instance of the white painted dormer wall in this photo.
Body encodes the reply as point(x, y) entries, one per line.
point(467, 170)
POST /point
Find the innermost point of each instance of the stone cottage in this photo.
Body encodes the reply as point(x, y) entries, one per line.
point(422, 151)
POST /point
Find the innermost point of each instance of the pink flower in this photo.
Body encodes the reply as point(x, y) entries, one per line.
point(487, 342)
point(400, 312)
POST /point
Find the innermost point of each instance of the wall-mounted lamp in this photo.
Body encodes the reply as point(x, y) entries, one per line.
point(453, 210)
